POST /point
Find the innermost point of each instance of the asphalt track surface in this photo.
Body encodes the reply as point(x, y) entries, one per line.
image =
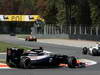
point(71, 51)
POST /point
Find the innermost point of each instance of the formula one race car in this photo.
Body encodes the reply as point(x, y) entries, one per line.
point(39, 58)
point(12, 34)
point(95, 51)
point(31, 38)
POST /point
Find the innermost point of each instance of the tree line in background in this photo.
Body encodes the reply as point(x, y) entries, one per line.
point(61, 12)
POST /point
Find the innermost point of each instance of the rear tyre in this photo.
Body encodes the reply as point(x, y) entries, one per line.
point(25, 63)
point(8, 55)
point(72, 62)
point(8, 58)
point(85, 50)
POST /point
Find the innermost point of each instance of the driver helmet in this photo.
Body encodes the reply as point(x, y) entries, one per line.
point(30, 36)
point(41, 48)
point(28, 51)
point(97, 44)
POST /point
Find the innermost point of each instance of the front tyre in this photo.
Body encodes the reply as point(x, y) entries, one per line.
point(72, 62)
point(85, 50)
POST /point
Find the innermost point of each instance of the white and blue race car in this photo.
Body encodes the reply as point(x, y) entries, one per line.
point(95, 51)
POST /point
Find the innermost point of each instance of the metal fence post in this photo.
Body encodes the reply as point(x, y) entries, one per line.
point(74, 29)
point(80, 30)
point(97, 31)
point(70, 29)
point(85, 30)
point(47, 29)
point(44, 29)
point(61, 29)
point(91, 30)
point(52, 28)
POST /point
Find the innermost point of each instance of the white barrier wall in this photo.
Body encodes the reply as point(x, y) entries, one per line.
point(74, 32)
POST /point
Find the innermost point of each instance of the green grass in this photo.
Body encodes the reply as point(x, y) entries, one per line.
point(2, 61)
point(4, 46)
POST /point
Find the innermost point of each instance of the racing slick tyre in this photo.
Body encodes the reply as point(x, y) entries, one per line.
point(72, 62)
point(85, 50)
point(94, 52)
point(25, 39)
point(8, 58)
point(25, 63)
point(35, 40)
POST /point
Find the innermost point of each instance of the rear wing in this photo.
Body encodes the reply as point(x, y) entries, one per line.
point(14, 51)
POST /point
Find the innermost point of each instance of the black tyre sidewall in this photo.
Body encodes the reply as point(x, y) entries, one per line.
point(85, 50)
point(25, 63)
point(94, 52)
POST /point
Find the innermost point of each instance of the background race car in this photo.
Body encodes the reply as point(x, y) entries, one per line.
point(12, 34)
point(31, 38)
point(95, 51)
point(39, 58)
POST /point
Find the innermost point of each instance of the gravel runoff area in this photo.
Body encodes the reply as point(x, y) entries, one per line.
point(67, 42)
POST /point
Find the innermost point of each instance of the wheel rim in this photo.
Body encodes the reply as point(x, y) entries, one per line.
point(27, 63)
